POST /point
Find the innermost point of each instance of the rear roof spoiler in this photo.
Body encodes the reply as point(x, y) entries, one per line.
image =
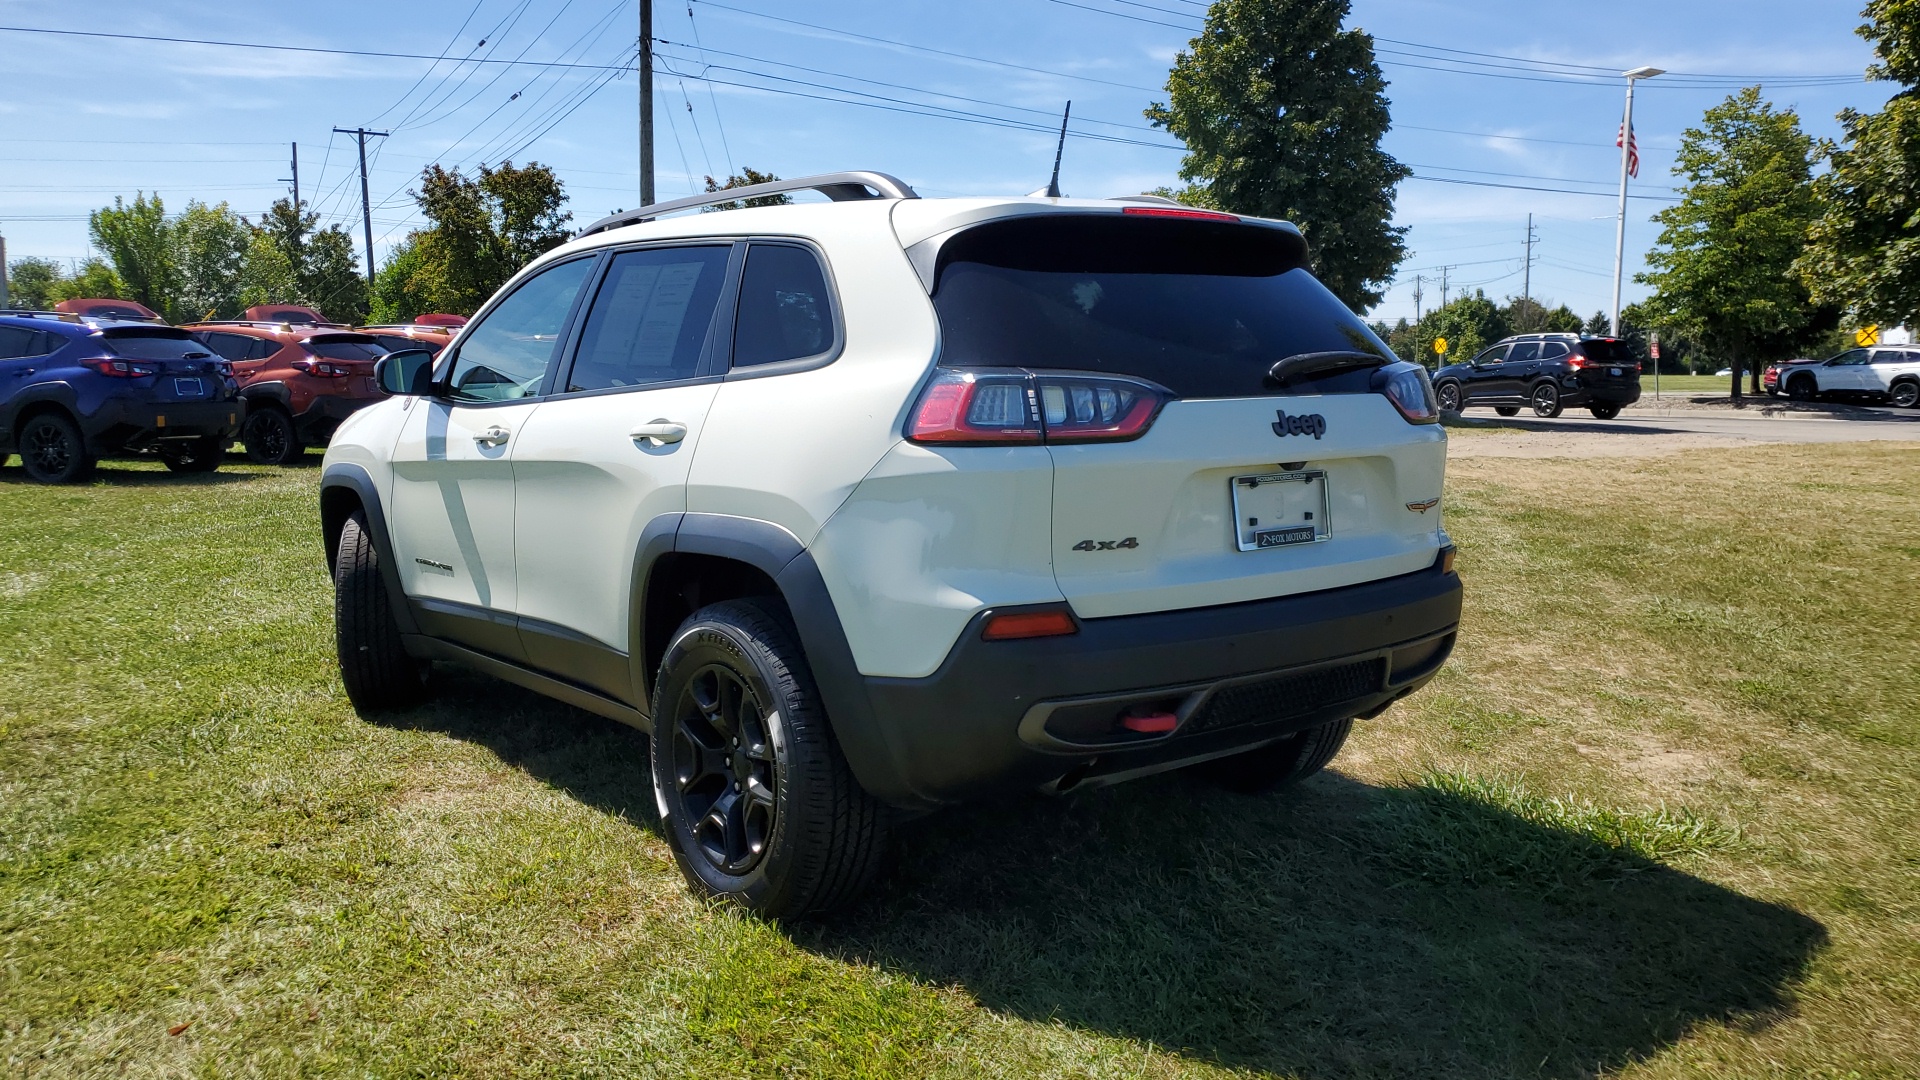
point(840, 187)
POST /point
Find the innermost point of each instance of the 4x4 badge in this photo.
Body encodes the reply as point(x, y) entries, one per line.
point(1309, 424)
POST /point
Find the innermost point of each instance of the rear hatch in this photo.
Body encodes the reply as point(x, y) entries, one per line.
point(346, 357)
point(1610, 365)
point(168, 363)
point(1242, 486)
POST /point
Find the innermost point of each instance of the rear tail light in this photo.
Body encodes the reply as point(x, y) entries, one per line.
point(1410, 391)
point(1578, 362)
point(116, 368)
point(323, 368)
point(1015, 625)
point(1023, 408)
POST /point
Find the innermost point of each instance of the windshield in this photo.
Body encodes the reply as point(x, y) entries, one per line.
point(1205, 309)
point(156, 344)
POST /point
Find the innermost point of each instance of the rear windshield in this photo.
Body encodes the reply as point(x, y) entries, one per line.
point(1608, 352)
point(160, 343)
point(345, 347)
point(1202, 308)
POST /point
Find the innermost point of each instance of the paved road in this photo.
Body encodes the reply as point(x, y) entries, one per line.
point(1902, 424)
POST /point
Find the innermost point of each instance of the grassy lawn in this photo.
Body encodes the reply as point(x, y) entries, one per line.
point(1656, 820)
point(1691, 384)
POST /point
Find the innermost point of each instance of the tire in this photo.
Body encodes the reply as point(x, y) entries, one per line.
point(270, 438)
point(755, 799)
point(52, 451)
point(1448, 395)
point(375, 668)
point(1605, 410)
point(1282, 764)
point(1803, 388)
point(1546, 399)
point(1904, 395)
point(1507, 410)
point(200, 456)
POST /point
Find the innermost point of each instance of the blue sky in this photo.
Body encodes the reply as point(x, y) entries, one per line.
point(83, 119)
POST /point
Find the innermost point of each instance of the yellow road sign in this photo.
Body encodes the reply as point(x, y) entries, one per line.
point(1440, 345)
point(1866, 335)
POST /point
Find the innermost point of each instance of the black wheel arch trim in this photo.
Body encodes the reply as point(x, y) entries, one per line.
point(57, 393)
point(273, 391)
point(343, 486)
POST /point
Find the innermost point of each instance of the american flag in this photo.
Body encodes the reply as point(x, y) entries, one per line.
point(1633, 150)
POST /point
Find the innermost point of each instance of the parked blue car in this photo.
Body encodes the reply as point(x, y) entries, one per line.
point(75, 389)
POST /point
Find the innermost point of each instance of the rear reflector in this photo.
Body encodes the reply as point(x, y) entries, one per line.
point(1176, 212)
point(1155, 723)
point(1015, 625)
point(1446, 559)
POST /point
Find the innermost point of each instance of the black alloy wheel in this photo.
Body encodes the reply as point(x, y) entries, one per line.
point(1803, 388)
point(723, 769)
point(202, 455)
point(1605, 410)
point(269, 437)
point(1448, 394)
point(52, 450)
point(1546, 400)
point(1507, 410)
point(1904, 395)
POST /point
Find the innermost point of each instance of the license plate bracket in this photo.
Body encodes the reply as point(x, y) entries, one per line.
point(1280, 509)
point(187, 388)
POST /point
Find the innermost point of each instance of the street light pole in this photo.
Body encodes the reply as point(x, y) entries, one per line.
point(1626, 151)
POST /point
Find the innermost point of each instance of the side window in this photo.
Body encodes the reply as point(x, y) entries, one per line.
point(1849, 358)
point(785, 309)
point(1553, 350)
point(227, 346)
point(1524, 351)
point(1890, 356)
point(260, 348)
point(650, 318)
point(506, 355)
point(1491, 356)
point(17, 342)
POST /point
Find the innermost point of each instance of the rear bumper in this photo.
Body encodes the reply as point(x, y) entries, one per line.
point(1610, 395)
point(1021, 714)
point(120, 426)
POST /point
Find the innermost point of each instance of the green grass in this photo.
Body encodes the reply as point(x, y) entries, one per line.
point(1691, 384)
point(1655, 820)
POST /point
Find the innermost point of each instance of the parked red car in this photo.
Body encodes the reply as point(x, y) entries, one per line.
point(414, 335)
point(120, 310)
point(293, 314)
point(299, 381)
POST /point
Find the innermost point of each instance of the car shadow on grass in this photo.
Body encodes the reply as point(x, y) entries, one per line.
point(107, 475)
point(1337, 930)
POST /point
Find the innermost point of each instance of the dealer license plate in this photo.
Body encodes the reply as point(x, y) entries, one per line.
point(1613, 371)
point(187, 388)
point(1280, 509)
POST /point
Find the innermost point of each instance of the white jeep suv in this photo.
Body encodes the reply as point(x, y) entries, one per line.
point(883, 503)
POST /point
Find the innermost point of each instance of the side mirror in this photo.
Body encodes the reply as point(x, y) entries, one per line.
point(408, 372)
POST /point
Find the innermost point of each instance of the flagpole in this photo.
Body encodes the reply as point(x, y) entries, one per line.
point(1626, 153)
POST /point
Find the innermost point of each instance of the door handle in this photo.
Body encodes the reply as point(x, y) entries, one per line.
point(659, 432)
point(493, 436)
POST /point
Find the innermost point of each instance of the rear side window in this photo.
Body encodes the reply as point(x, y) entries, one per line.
point(650, 318)
point(18, 341)
point(785, 310)
point(1524, 351)
point(344, 347)
point(1553, 350)
point(229, 346)
point(1608, 352)
point(1203, 308)
point(155, 345)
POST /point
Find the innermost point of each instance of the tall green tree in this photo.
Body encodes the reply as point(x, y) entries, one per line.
point(314, 266)
point(1529, 316)
point(137, 241)
point(95, 278)
point(1470, 324)
point(1722, 269)
point(747, 177)
point(209, 253)
point(1282, 111)
point(481, 231)
point(1864, 251)
point(31, 283)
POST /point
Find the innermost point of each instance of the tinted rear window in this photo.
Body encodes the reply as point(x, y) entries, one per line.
point(156, 344)
point(1608, 352)
point(1202, 308)
point(345, 347)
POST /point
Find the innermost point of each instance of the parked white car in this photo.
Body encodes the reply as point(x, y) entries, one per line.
point(1879, 374)
point(889, 503)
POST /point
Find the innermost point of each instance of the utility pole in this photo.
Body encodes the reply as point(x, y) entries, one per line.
point(366, 200)
point(295, 178)
point(3, 274)
point(1526, 280)
point(1417, 280)
point(646, 103)
point(1443, 285)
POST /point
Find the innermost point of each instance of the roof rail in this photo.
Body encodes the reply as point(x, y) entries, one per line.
point(31, 313)
point(840, 187)
point(272, 324)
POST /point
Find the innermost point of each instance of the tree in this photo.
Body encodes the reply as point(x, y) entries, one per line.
point(1529, 316)
point(31, 283)
point(1722, 269)
point(209, 252)
point(136, 240)
point(1470, 324)
point(267, 275)
point(94, 279)
point(306, 264)
point(747, 178)
point(1282, 112)
point(1864, 250)
point(399, 289)
point(482, 231)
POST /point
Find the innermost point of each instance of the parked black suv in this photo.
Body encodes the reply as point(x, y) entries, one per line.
point(1547, 372)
